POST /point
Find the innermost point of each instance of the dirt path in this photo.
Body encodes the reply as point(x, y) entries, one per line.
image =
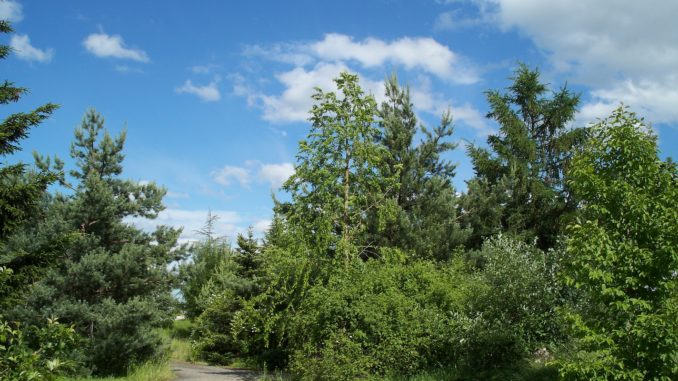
point(193, 372)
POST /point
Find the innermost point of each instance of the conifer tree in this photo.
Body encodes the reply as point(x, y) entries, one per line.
point(519, 185)
point(20, 190)
point(249, 252)
point(112, 280)
point(426, 221)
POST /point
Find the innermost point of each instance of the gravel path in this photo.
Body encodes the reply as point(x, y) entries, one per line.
point(193, 372)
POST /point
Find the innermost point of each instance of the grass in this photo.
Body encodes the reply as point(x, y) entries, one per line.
point(178, 337)
point(151, 371)
point(180, 350)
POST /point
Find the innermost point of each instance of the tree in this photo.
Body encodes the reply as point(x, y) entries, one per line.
point(206, 257)
point(622, 254)
point(426, 221)
point(518, 187)
point(249, 254)
point(112, 280)
point(19, 191)
point(338, 178)
point(46, 351)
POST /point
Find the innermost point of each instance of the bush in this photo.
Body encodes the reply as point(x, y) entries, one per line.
point(377, 318)
point(38, 353)
point(515, 305)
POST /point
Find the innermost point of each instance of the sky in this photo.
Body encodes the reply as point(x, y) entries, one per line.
point(214, 95)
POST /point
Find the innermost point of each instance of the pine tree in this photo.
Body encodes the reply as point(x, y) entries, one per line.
point(519, 185)
point(112, 281)
point(426, 221)
point(20, 190)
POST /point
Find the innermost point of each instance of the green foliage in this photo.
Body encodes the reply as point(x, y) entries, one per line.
point(519, 186)
point(623, 256)
point(338, 178)
point(19, 191)
point(378, 317)
point(517, 302)
point(425, 221)
point(206, 259)
point(37, 353)
point(111, 280)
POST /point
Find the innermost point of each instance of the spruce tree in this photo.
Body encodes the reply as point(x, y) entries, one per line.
point(518, 187)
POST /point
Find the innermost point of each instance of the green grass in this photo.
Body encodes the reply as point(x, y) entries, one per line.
point(180, 349)
point(151, 371)
point(180, 345)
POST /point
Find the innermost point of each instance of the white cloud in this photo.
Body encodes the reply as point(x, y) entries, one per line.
point(295, 101)
point(317, 63)
point(653, 100)
point(27, 52)
point(424, 99)
point(228, 174)
point(261, 226)
point(11, 11)
point(207, 93)
point(625, 50)
point(273, 174)
point(104, 45)
point(413, 53)
point(276, 174)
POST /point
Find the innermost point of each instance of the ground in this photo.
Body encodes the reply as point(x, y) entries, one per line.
point(193, 372)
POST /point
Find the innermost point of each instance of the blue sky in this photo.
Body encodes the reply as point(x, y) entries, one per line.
point(214, 94)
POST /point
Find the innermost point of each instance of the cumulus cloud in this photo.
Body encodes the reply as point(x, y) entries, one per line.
point(104, 45)
point(426, 100)
point(228, 175)
point(276, 174)
point(11, 11)
point(27, 52)
point(207, 93)
point(624, 49)
point(293, 103)
point(261, 226)
point(273, 174)
point(413, 53)
point(316, 64)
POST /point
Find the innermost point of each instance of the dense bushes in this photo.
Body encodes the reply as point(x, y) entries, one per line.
point(325, 321)
point(38, 353)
